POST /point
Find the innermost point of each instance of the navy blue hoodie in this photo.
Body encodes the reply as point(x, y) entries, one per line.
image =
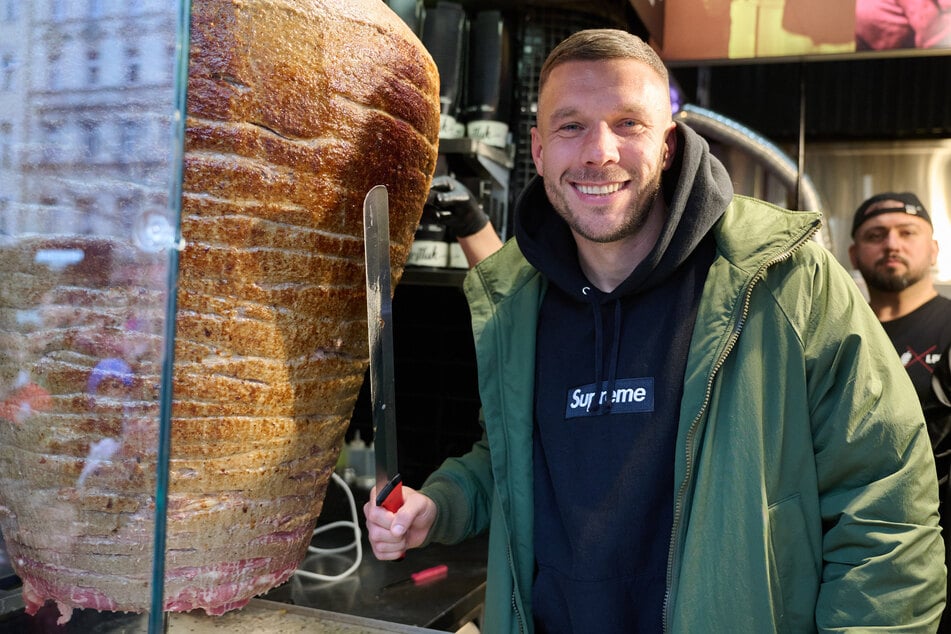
point(609, 379)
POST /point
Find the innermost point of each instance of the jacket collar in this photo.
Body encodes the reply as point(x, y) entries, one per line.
point(748, 242)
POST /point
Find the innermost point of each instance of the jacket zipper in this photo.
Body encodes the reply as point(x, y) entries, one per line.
point(508, 551)
point(508, 546)
point(691, 432)
point(515, 610)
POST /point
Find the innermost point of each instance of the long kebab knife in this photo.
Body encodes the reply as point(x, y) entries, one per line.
point(376, 233)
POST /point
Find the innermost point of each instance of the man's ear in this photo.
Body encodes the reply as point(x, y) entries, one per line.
point(670, 145)
point(852, 258)
point(537, 150)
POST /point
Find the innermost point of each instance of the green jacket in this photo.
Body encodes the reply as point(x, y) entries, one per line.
point(806, 495)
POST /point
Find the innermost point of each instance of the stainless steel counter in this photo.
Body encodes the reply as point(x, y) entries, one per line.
point(444, 604)
point(258, 617)
point(355, 604)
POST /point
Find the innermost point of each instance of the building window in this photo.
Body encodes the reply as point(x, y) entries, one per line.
point(169, 61)
point(6, 219)
point(7, 71)
point(6, 145)
point(129, 135)
point(86, 215)
point(53, 75)
point(91, 141)
point(133, 66)
point(126, 206)
point(52, 141)
point(92, 67)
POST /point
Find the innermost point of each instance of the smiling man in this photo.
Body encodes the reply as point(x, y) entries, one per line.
point(693, 421)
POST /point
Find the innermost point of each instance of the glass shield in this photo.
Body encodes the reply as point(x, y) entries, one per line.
point(182, 298)
point(91, 138)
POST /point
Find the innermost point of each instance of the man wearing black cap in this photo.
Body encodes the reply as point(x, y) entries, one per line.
point(894, 249)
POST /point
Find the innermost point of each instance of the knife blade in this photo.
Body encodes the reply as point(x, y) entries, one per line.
point(376, 234)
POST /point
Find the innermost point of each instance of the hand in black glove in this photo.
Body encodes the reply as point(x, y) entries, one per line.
point(454, 206)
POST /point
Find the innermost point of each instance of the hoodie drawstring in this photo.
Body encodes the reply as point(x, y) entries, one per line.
point(615, 348)
point(598, 406)
point(598, 345)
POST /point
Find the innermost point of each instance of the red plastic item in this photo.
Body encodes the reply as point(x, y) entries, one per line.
point(436, 572)
point(421, 577)
point(391, 496)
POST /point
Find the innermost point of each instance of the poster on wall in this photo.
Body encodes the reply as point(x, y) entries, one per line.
point(695, 30)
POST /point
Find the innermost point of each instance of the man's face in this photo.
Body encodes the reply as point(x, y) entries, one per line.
point(604, 136)
point(892, 251)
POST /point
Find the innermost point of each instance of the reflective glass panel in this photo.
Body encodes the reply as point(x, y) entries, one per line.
point(89, 144)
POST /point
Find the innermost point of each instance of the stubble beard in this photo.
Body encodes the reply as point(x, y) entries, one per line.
point(633, 221)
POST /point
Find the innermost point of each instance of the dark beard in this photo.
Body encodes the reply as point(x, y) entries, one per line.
point(886, 283)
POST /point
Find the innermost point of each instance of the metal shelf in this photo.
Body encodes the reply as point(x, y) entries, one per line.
point(433, 276)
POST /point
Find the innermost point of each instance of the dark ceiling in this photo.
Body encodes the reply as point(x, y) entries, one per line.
point(861, 96)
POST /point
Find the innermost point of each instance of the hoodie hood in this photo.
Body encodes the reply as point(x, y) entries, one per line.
point(696, 189)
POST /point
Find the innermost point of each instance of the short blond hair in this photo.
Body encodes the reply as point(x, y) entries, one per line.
point(602, 44)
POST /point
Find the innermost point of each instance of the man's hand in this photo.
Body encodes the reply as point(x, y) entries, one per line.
point(451, 204)
point(392, 534)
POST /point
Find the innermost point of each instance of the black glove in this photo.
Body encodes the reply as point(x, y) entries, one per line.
point(451, 204)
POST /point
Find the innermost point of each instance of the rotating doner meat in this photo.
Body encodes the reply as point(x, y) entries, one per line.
point(295, 109)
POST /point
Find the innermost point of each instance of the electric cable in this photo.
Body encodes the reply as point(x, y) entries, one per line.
point(357, 541)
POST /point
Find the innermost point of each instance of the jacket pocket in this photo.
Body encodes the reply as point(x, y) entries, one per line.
point(793, 570)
